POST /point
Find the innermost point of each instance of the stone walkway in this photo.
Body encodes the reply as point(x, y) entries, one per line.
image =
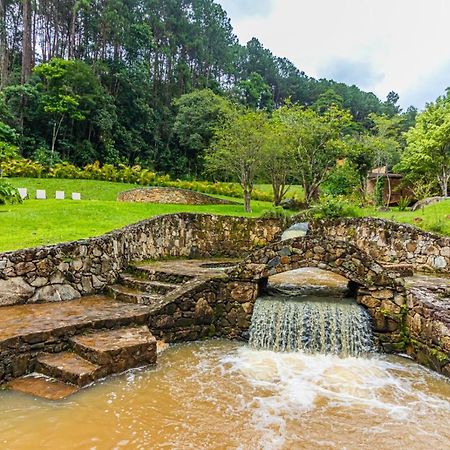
point(36, 323)
point(73, 343)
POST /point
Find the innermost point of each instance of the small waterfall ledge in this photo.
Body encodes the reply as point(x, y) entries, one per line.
point(329, 325)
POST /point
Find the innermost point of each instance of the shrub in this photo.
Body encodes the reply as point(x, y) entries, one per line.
point(332, 208)
point(343, 180)
point(275, 213)
point(8, 193)
point(403, 203)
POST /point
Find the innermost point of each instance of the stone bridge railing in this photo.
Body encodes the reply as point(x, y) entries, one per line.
point(336, 256)
point(389, 242)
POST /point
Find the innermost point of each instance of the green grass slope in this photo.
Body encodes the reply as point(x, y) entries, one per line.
point(43, 222)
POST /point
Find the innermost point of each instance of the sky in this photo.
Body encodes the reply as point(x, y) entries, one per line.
point(379, 45)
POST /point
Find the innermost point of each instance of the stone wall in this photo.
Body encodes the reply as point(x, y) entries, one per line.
point(390, 242)
point(213, 308)
point(170, 195)
point(428, 327)
point(67, 271)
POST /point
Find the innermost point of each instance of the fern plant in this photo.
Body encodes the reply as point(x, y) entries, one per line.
point(8, 193)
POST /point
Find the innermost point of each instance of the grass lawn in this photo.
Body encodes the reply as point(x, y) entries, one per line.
point(43, 222)
point(434, 218)
point(294, 190)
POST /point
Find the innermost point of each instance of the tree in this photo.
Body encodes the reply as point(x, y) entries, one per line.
point(238, 151)
point(327, 99)
point(3, 45)
point(277, 158)
point(27, 57)
point(198, 115)
point(427, 154)
point(315, 142)
point(390, 105)
point(255, 93)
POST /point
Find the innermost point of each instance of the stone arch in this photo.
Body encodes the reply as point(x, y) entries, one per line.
point(379, 289)
point(339, 257)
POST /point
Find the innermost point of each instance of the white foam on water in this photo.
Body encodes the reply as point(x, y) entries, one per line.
point(297, 384)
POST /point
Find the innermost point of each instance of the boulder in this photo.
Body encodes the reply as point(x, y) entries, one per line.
point(14, 290)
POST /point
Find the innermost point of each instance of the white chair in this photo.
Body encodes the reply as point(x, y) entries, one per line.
point(59, 195)
point(23, 192)
point(41, 194)
point(76, 196)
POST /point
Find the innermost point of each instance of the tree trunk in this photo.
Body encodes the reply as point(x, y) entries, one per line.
point(26, 42)
point(443, 181)
point(276, 194)
point(247, 201)
point(3, 46)
point(73, 21)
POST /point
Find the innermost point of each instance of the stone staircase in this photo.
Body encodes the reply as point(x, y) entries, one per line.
point(69, 345)
point(146, 285)
point(92, 356)
point(98, 354)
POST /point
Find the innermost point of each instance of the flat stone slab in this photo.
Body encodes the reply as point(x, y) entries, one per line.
point(190, 267)
point(428, 281)
point(68, 367)
point(129, 295)
point(37, 323)
point(117, 350)
point(157, 287)
point(44, 387)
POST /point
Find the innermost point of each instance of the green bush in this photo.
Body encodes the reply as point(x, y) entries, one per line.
point(330, 207)
point(343, 180)
point(8, 193)
point(275, 213)
point(403, 203)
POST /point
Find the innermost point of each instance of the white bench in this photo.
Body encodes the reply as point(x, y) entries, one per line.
point(59, 195)
point(76, 196)
point(23, 192)
point(41, 194)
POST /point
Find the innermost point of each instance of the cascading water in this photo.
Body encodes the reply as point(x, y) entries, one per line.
point(312, 324)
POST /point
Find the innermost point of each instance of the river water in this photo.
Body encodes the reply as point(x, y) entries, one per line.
point(227, 395)
point(224, 395)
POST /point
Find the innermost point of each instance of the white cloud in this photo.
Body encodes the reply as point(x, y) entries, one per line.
point(380, 45)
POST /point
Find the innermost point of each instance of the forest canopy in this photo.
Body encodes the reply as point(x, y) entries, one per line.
point(114, 81)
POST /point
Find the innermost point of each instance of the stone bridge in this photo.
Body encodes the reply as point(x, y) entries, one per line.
point(380, 289)
point(339, 257)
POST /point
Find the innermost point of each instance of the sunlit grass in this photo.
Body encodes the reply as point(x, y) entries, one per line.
point(43, 222)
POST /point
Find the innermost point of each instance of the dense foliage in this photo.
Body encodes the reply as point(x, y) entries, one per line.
point(426, 160)
point(143, 81)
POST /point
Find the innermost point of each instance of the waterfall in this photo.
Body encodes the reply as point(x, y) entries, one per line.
point(311, 324)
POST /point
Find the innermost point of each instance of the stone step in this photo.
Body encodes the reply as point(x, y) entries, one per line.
point(42, 386)
point(150, 286)
point(117, 350)
point(130, 295)
point(68, 367)
point(147, 272)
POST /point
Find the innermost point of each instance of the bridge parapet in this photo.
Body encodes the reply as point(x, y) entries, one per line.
point(336, 256)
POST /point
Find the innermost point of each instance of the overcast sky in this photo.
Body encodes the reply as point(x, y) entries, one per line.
point(379, 45)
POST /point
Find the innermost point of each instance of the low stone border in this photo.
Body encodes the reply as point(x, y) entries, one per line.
point(170, 195)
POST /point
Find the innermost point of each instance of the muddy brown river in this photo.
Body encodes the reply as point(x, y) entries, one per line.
point(224, 395)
